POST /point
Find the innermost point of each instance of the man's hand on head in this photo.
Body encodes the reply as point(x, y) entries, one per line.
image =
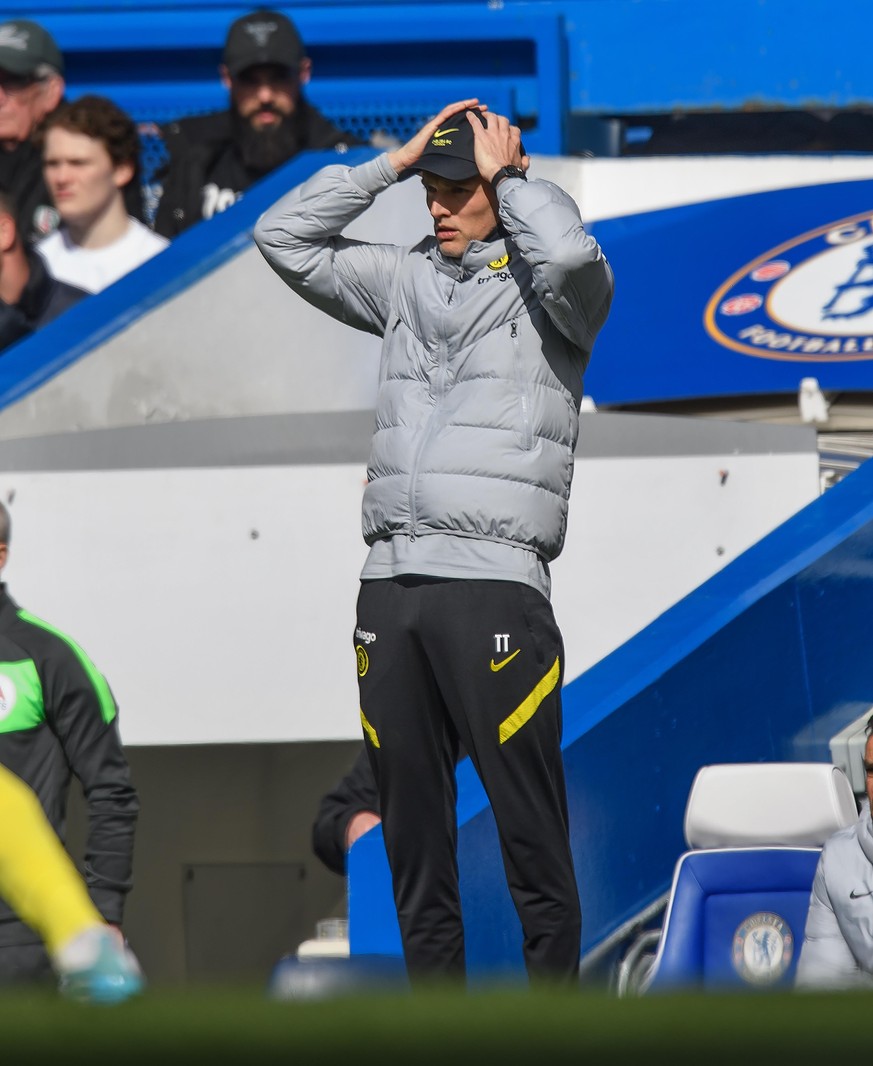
point(497, 145)
point(406, 157)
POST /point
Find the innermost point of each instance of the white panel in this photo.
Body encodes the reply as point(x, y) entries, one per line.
point(614, 188)
point(220, 603)
point(643, 532)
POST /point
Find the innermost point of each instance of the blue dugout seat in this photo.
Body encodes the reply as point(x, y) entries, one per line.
point(740, 895)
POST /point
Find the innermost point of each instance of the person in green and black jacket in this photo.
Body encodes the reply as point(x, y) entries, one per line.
point(58, 717)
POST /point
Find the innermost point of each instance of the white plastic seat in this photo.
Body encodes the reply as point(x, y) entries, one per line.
point(758, 804)
point(740, 894)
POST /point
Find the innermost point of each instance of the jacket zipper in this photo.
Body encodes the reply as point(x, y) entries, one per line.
point(432, 423)
point(526, 428)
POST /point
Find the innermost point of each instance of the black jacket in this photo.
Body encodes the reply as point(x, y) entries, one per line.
point(204, 173)
point(354, 793)
point(57, 717)
point(43, 299)
point(21, 177)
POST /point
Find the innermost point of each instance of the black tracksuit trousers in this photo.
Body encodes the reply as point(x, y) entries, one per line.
point(480, 663)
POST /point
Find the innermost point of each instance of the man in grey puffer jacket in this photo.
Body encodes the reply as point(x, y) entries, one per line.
point(837, 947)
point(487, 328)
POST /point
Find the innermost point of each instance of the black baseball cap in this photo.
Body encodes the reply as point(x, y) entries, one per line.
point(262, 37)
point(450, 152)
point(25, 46)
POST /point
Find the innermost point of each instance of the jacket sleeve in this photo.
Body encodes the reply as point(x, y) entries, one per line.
point(81, 711)
point(356, 792)
point(175, 178)
point(300, 238)
point(13, 325)
point(571, 275)
point(826, 960)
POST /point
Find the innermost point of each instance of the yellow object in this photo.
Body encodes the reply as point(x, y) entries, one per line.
point(530, 705)
point(370, 731)
point(37, 877)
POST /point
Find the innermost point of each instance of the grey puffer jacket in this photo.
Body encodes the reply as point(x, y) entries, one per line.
point(837, 947)
point(482, 357)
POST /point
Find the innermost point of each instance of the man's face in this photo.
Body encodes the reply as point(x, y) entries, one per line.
point(462, 211)
point(81, 177)
point(265, 95)
point(24, 103)
point(868, 769)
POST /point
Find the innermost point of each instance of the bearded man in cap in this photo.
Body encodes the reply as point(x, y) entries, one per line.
point(214, 158)
point(31, 87)
point(487, 327)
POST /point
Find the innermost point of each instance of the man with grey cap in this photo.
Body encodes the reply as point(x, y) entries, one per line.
point(214, 158)
point(31, 86)
point(487, 327)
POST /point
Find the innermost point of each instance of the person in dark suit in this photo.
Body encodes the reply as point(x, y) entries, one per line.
point(30, 297)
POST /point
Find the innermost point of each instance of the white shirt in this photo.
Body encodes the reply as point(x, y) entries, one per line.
point(92, 269)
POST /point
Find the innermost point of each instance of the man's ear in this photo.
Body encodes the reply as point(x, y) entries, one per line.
point(224, 74)
point(53, 92)
point(4, 554)
point(123, 174)
point(8, 233)
point(304, 71)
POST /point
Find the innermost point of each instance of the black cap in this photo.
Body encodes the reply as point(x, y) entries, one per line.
point(25, 46)
point(450, 152)
point(262, 37)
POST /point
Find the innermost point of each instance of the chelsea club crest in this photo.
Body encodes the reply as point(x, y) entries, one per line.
point(762, 948)
point(807, 300)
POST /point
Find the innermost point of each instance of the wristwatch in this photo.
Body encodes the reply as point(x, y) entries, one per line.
point(508, 172)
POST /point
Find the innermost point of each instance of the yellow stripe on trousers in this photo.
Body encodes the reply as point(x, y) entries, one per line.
point(369, 730)
point(529, 706)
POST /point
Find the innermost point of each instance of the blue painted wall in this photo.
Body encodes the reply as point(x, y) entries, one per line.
point(677, 328)
point(765, 661)
point(659, 55)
